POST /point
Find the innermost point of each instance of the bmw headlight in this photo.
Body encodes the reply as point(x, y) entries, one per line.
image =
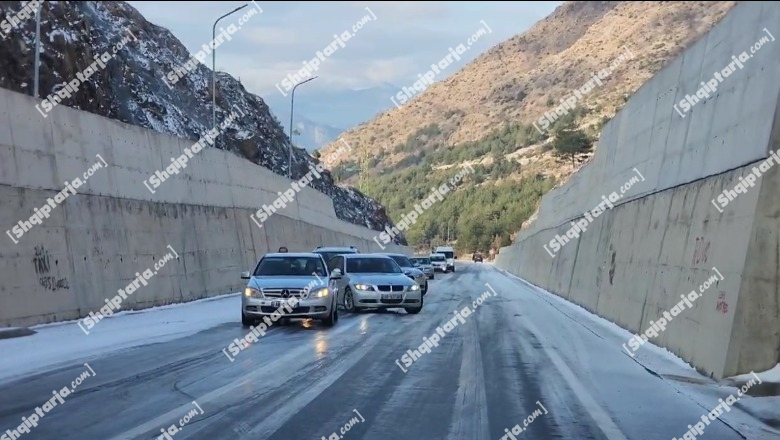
point(320, 293)
point(253, 293)
point(415, 287)
point(364, 287)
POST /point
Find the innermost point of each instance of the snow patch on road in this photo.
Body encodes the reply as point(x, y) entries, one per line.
point(60, 343)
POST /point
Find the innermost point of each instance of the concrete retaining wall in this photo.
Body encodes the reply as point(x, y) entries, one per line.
point(94, 242)
point(664, 236)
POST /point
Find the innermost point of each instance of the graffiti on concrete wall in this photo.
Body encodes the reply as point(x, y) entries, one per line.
point(700, 251)
point(42, 264)
point(722, 306)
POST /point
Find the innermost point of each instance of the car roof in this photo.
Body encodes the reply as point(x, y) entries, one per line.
point(390, 254)
point(438, 254)
point(293, 254)
point(367, 255)
point(345, 249)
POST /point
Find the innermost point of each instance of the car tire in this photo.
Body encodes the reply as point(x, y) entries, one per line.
point(349, 306)
point(425, 288)
point(333, 318)
point(415, 310)
point(430, 277)
point(246, 322)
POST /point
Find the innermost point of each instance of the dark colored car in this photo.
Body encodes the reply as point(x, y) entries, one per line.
point(477, 257)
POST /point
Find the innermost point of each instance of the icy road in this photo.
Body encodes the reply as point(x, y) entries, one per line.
point(520, 351)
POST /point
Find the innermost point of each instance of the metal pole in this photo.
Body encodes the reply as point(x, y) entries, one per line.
point(289, 150)
point(37, 49)
point(214, 68)
point(292, 101)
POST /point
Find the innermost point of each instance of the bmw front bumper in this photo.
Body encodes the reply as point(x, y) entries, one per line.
point(386, 300)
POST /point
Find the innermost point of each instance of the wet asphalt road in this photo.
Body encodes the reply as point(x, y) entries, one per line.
point(306, 381)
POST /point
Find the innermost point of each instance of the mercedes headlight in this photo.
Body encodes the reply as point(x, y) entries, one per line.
point(364, 287)
point(320, 293)
point(253, 293)
point(415, 287)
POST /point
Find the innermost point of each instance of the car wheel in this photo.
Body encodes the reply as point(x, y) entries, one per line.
point(430, 277)
point(415, 310)
point(246, 322)
point(331, 320)
point(425, 288)
point(349, 301)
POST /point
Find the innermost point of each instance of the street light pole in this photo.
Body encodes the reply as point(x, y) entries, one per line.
point(37, 49)
point(292, 102)
point(214, 68)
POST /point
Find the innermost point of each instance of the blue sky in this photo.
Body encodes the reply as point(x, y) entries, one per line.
point(404, 40)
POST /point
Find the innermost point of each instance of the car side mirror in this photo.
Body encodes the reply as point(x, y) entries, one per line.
point(245, 275)
point(335, 274)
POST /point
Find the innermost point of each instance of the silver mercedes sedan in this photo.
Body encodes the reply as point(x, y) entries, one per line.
point(288, 285)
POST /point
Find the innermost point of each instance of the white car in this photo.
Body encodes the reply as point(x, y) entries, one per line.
point(449, 253)
point(439, 262)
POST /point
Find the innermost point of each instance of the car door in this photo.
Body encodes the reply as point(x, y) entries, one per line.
point(337, 262)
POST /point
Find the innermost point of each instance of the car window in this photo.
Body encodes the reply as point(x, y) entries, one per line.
point(402, 261)
point(372, 265)
point(448, 254)
point(337, 262)
point(290, 266)
point(437, 258)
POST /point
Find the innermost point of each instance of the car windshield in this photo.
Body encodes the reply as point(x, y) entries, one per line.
point(372, 265)
point(437, 258)
point(327, 255)
point(448, 254)
point(422, 260)
point(402, 261)
point(290, 266)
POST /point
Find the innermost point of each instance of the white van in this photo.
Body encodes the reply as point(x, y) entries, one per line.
point(448, 252)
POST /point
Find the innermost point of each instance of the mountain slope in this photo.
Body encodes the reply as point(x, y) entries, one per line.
point(483, 113)
point(130, 89)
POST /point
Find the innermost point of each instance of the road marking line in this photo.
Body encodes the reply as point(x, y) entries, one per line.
point(165, 420)
point(470, 417)
point(599, 415)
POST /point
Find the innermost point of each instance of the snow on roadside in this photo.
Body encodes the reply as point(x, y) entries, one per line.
point(768, 376)
point(745, 417)
point(59, 343)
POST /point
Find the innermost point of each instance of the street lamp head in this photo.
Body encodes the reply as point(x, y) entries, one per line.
point(238, 8)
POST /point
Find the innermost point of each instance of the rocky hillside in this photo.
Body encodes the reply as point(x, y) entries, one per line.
point(483, 113)
point(130, 89)
point(516, 80)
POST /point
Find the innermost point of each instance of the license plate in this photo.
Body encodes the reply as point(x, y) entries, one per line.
point(391, 296)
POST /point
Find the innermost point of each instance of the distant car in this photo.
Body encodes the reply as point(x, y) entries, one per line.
point(449, 253)
point(373, 281)
point(439, 262)
point(424, 264)
point(329, 252)
point(281, 276)
point(412, 272)
point(477, 257)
